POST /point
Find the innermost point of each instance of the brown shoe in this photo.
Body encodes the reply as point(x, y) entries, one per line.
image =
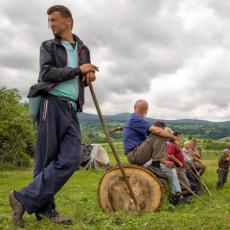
point(17, 211)
point(61, 220)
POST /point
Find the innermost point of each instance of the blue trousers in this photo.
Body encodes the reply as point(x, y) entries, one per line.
point(57, 155)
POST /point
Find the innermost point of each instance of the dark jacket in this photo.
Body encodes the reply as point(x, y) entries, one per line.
point(223, 163)
point(53, 68)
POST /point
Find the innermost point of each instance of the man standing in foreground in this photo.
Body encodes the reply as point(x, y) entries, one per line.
point(64, 71)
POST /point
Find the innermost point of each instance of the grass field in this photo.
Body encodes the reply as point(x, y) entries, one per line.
point(78, 200)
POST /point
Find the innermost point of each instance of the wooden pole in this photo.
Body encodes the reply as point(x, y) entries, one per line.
point(198, 175)
point(131, 193)
point(195, 175)
point(190, 190)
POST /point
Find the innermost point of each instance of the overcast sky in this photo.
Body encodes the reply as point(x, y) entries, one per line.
point(173, 53)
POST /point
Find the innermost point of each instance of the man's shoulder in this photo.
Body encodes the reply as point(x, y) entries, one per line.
point(171, 145)
point(77, 39)
point(52, 41)
point(136, 120)
point(48, 44)
point(135, 116)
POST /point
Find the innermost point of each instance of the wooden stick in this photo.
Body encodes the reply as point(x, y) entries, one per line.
point(115, 130)
point(195, 175)
point(190, 190)
point(206, 187)
point(131, 193)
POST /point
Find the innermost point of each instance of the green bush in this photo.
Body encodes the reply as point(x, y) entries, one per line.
point(16, 132)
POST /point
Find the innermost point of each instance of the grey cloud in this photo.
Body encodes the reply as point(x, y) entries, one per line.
point(143, 41)
point(220, 7)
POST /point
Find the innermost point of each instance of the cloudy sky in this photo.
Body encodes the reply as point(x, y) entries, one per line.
point(174, 53)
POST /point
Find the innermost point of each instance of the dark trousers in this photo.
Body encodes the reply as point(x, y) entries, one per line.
point(57, 155)
point(222, 177)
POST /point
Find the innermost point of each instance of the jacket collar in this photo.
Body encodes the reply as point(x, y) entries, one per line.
point(57, 40)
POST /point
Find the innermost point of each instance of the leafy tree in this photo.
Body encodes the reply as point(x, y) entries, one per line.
point(16, 132)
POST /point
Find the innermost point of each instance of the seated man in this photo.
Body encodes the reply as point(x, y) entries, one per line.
point(190, 166)
point(187, 157)
point(175, 155)
point(199, 165)
point(143, 142)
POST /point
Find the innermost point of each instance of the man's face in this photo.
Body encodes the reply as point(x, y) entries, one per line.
point(59, 24)
point(143, 110)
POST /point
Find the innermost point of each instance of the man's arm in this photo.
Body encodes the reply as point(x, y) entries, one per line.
point(197, 160)
point(161, 132)
point(194, 154)
point(167, 163)
point(49, 72)
point(173, 159)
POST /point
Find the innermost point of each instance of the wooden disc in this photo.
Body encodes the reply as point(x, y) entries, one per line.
point(113, 193)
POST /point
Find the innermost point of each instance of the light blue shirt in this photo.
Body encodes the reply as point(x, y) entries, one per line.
point(69, 88)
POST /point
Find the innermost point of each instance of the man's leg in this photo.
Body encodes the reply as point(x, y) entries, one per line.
point(176, 196)
point(46, 183)
point(192, 180)
point(225, 176)
point(171, 173)
point(200, 168)
point(50, 133)
point(220, 179)
point(40, 161)
point(154, 147)
point(181, 172)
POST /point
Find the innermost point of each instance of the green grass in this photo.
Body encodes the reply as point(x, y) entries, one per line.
point(78, 200)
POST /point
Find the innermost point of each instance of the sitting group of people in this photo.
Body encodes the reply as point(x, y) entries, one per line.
point(158, 148)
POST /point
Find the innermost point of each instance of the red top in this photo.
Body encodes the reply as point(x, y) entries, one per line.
point(174, 150)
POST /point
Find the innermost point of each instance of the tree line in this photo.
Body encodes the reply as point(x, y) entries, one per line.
point(17, 135)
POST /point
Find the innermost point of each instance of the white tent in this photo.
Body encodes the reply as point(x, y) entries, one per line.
point(98, 158)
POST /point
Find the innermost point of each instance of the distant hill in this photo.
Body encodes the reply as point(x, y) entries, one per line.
point(94, 117)
point(124, 117)
point(191, 127)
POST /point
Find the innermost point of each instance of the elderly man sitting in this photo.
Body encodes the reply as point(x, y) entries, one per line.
point(190, 172)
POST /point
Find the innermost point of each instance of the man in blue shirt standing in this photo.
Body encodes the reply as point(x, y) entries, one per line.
point(143, 142)
point(65, 70)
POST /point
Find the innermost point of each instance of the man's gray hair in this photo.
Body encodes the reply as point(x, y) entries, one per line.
point(187, 142)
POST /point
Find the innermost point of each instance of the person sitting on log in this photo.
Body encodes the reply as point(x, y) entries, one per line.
point(190, 167)
point(170, 171)
point(175, 155)
point(144, 142)
point(199, 165)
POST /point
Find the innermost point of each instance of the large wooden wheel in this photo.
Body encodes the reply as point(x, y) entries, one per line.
point(113, 194)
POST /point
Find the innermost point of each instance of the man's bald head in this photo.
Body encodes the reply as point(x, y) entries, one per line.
point(141, 107)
